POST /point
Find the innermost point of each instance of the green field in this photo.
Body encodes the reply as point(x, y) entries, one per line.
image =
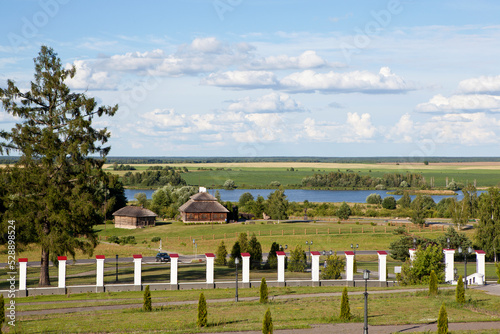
point(258, 175)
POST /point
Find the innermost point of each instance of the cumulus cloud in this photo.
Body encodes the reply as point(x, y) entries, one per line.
point(241, 79)
point(360, 125)
point(87, 77)
point(480, 85)
point(358, 81)
point(308, 59)
point(402, 131)
point(454, 103)
point(271, 103)
point(165, 118)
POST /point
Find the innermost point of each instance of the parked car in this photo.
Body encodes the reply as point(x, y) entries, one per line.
point(162, 257)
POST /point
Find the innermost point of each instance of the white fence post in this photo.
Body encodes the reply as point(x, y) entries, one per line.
point(281, 266)
point(210, 267)
point(449, 263)
point(174, 259)
point(62, 271)
point(245, 269)
point(480, 265)
point(315, 266)
point(349, 265)
point(23, 264)
point(382, 266)
point(100, 270)
point(137, 269)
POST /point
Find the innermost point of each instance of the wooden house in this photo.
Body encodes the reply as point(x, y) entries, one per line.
point(203, 207)
point(134, 217)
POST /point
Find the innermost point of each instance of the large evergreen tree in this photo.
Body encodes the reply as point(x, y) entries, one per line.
point(488, 229)
point(277, 204)
point(55, 189)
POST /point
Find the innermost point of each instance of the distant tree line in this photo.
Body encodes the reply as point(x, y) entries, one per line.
point(354, 180)
point(155, 176)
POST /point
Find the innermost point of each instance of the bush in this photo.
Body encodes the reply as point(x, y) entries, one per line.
point(147, 305)
point(344, 211)
point(442, 320)
point(389, 203)
point(267, 323)
point(334, 267)
point(374, 199)
point(114, 239)
point(345, 309)
point(221, 254)
point(202, 311)
point(2, 312)
point(433, 284)
point(264, 294)
point(460, 291)
point(155, 239)
point(297, 260)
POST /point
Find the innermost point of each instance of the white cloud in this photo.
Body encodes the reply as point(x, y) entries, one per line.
point(361, 126)
point(480, 85)
point(165, 118)
point(358, 81)
point(308, 59)
point(440, 103)
point(86, 77)
point(402, 131)
point(271, 103)
point(241, 79)
point(208, 45)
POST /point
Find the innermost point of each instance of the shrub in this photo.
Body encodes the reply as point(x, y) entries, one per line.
point(344, 211)
point(334, 267)
point(155, 239)
point(297, 260)
point(202, 311)
point(433, 284)
point(389, 203)
point(114, 239)
point(442, 320)
point(345, 309)
point(267, 323)
point(147, 305)
point(221, 254)
point(460, 291)
point(264, 295)
point(374, 199)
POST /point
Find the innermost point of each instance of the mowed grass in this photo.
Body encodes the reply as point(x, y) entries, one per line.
point(254, 175)
point(392, 308)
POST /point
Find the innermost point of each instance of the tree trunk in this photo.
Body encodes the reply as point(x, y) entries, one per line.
point(44, 269)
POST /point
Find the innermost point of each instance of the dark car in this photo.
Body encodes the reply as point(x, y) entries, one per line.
point(162, 257)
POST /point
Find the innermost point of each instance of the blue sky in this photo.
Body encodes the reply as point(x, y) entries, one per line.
point(274, 78)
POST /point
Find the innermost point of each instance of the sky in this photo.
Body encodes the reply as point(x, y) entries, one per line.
point(273, 77)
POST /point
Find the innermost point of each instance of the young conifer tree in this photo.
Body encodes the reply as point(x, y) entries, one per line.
point(202, 311)
point(147, 305)
point(442, 320)
point(460, 291)
point(267, 323)
point(433, 284)
point(264, 295)
point(345, 309)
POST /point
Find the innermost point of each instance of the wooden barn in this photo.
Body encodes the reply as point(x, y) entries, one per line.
point(203, 207)
point(134, 217)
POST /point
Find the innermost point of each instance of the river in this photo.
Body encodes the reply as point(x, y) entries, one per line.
point(299, 195)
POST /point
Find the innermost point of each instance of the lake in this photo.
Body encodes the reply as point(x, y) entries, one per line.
point(299, 195)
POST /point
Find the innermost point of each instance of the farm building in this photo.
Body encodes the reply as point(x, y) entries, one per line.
point(134, 217)
point(203, 207)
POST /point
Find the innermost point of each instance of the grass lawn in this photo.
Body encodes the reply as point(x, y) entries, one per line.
point(392, 308)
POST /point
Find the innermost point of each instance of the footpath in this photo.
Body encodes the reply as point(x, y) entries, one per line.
point(347, 328)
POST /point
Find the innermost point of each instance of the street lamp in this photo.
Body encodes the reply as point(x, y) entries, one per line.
point(236, 261)
point(117, 268)
point(366, 277)
point(310, 244)
point(466, 252)
point(414, 243)
point(448, 242)
point(331, 252)
point(455, 271)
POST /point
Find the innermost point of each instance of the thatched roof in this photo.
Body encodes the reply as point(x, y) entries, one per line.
point(134, 211)
point(202, 202)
